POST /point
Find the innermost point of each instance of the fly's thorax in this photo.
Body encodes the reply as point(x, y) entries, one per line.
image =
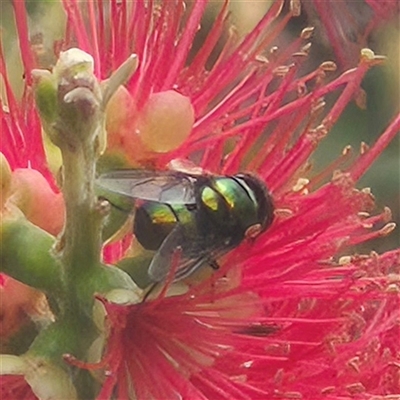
point(154, 221)
point(227, 209)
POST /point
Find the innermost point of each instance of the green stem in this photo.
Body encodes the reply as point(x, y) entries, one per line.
point(79, 135)
point(81, 239)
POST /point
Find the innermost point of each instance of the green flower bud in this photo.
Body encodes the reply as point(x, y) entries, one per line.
point(45, 97)
point(70, 101)
point(25, 254)
point(101, 281)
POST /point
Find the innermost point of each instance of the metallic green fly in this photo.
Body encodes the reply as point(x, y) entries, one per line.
point(204, 215)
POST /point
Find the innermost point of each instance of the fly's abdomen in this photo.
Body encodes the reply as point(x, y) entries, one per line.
point(214, 213)
point(153, 223)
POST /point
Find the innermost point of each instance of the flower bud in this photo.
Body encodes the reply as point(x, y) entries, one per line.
point(73, 63)
point(20, 303)
point(5, 179)
point(166, 122)
point(25, 253)
point(45, 96)
point(122, 143)
point(32, 194)
point(70, 100)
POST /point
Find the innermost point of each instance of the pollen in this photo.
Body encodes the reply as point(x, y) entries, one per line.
point(253, 231)
point(301, 184)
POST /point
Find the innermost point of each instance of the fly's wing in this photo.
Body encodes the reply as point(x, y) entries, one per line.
point(163, 187)
point(192, 257)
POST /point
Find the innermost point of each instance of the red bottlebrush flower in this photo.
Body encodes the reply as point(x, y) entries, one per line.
point(225, 342)
point(294, 314)
point(14, 387)
point(285, 316)
point(21, 130)
point(32, 185)
point(235, 78)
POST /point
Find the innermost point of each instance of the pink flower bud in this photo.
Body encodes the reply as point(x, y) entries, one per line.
point(121, 113)
point(32, 193)
point(166, 121)
point(19, 303)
